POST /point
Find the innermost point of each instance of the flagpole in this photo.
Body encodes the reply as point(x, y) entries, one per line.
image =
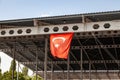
point(45, 62)
point(68, 66)
point(81, 65)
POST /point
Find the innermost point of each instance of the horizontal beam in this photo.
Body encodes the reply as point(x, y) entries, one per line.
point(72, 47)
point(52, 29)
point(103, 71)
point(73, 62)
point(96, 46)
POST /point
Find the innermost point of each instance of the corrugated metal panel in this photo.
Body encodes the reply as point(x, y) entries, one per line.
point(76, 18)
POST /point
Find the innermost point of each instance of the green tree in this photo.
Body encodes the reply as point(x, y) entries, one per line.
point(27, 77)
point(0, 62)
point(13, 65)
point(8, 76)
point(20, 77)
point(38, 78)
point(25, 71)
point(0, 74)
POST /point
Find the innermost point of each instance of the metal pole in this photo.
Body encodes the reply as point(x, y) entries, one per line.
point(36, 63)
point(43, 74)
point(18, 72)
point(13, 64)
point(45, 61)
point(83, 21)
point(68, 66)
point(63, 75)
point(51, 71)
point(90, 70)
point(96, 75)
point(81, 65)
point(0, 63)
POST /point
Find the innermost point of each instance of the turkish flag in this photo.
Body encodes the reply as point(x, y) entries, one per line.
point(60, 44)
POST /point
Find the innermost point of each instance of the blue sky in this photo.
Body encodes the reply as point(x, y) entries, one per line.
point(15, 9)
point(12, 9)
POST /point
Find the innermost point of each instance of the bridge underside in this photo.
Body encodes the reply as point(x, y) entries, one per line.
point(100, 48)
point(99, 53)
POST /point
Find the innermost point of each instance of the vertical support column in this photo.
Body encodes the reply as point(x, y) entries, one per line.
point(90, 70)
point(81, 64)
point(68, 66)
point(119, 69)
point(13, 63)
point(43, 73)
point(35, 22)
point(83, 21)
point(96, 75)
point(51, 71)
point(45, 61)
point(63, 75)
point(18, 71)
point(36, 63)
point(0, 62)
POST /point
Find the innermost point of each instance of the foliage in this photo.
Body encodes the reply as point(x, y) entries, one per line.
point(27, 77)
point(22, 76)
point(13, 65)
point(25, 71)
point(0, 74)
point(7, 76)
point(38, 78)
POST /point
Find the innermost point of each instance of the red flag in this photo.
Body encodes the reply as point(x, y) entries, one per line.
point(60, 44)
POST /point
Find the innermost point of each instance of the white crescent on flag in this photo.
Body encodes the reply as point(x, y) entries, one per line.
point(58, 38)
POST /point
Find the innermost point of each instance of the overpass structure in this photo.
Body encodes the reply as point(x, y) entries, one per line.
point(95, 47)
